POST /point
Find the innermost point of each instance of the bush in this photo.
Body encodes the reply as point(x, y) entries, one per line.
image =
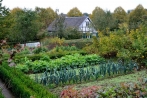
point(50, 43)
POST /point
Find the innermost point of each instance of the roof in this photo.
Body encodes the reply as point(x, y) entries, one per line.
point(74, 22)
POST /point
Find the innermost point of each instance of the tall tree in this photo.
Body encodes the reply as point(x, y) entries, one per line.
point(136, 17)
point(25, 26)
point(46, 16)
point(110, 21)
point(60, 26)
point(97, 17)
point(4, 24)
point(74, 12)
point(120, 15)
point(103, 20)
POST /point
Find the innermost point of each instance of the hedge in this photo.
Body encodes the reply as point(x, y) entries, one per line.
point(21, 85)
point(1, 95)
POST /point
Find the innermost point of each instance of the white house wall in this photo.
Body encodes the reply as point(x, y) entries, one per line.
point(85, 28)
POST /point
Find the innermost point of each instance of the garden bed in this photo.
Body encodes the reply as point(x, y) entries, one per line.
point(134, 78)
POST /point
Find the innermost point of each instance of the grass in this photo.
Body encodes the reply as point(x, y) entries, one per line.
point(133, 77)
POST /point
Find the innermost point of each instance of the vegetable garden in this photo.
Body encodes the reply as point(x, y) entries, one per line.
point(84, 74)
point(107, 57)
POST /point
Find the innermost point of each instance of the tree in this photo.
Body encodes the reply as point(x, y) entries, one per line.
point(120, 15)
point(110, 21)
point(4, 24)
point(46, 16)
point(98, 18)
point(60, 26)
point(25, 26)
point(3, 10)
point(136, 17)
point(74, 12)
point(103, 20)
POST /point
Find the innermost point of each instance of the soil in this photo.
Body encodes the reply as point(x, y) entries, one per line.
point(5, 91)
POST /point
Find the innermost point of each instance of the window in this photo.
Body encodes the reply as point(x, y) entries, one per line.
point(87, 23)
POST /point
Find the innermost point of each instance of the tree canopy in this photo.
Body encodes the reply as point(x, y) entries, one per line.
point(120, 14)
point(25, 25)
point(103, 20)
point(74, 12)
point(136, 16)
point(46, 16)
point(4, 23)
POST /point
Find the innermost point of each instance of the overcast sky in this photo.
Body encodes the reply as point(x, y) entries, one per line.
point(83, 5)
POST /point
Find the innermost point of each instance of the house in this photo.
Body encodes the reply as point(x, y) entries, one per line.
point(82, 24)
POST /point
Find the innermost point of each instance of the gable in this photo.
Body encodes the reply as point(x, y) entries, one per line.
point(85, 22)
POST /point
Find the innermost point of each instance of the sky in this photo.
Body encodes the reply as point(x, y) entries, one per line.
point(83, 5)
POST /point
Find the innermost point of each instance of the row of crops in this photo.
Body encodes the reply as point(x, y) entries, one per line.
point(66, 62)
point(79, 75)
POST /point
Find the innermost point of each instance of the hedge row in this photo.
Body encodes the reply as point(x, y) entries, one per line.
point(21, 85)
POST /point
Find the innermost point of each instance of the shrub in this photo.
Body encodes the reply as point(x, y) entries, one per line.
point(50, 43)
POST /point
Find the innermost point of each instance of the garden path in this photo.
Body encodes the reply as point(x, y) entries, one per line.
point(5, 91)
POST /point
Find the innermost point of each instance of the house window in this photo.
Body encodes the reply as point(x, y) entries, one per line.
point(87, 23)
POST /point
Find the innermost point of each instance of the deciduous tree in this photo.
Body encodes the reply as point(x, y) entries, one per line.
point(136, 17)
point(46, 16)
point(60, 26)
point(74, 12)
point(98, 18)
point(25, 26)
point(103, 20)
point(4, 24)
point(120, 15)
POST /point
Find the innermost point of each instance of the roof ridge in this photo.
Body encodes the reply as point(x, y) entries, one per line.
point(76, 17)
